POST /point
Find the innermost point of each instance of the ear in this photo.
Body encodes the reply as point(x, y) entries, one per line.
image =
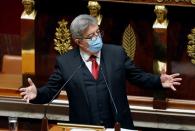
point(77, 41)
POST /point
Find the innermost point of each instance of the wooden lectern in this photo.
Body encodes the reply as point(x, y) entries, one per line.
point(69, 127)
point(82, 127)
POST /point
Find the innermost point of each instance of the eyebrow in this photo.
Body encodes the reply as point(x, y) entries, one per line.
point(94, 32)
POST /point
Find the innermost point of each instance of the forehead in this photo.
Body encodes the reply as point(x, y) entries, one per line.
point(90, 29)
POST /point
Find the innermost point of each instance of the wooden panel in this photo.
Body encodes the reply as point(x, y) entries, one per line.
point(10, 28)
point(9, 44)
point(10, 17)
point(164, 2)
point(13, 81)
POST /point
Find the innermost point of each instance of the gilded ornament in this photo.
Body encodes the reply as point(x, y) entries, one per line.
point(188, 1)
point(193, 1)
point(161, 17)
point(94, 10)
point(191, 45)
point(129, 41)
point(29, 9)
point(62, 40)
point(160, 1)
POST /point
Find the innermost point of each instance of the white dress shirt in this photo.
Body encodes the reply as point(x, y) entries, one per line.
point(86, 56)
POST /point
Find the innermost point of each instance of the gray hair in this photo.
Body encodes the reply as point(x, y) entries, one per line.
point(80, 23)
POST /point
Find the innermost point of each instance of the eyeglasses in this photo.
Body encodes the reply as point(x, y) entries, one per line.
point(93, 36)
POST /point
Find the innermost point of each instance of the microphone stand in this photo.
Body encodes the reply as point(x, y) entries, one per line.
point(44, 124)
point(117, 125)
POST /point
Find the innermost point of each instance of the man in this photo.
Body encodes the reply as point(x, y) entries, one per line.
point(96, 89)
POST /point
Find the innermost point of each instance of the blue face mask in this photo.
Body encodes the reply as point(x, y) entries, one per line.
point(95, 45)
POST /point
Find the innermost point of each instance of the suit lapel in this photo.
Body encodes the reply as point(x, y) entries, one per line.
point(77, 60)
point(107, 68)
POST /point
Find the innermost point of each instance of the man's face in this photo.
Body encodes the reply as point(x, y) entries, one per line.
point(90, 33)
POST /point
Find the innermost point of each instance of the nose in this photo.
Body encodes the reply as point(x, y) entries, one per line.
point(95, 37)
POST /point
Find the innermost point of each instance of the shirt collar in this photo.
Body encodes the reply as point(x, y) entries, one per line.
point(86, 56)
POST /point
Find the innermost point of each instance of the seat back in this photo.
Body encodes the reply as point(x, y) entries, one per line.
point(12, 64)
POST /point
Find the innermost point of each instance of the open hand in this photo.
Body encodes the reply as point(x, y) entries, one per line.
point(170, 81)
point(30, 92)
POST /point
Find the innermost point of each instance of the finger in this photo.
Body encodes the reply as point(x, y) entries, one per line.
point(30, 81)
point(22, 89)
point(177, 79)
point(175, 75)
point(173, 88)
point(26, 98)
point(23, 93)
point(176, 83)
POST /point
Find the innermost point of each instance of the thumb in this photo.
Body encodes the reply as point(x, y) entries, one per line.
point(30, 82)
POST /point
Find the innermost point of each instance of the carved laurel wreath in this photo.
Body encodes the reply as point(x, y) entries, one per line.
point(129, 41)
point(191, 46)
point(62, 40)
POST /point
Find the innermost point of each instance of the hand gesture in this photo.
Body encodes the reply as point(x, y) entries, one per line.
point(169, 81)
point(30, 92)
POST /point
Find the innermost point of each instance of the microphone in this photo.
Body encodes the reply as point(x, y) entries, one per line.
point(117, 124)
point(44, 126)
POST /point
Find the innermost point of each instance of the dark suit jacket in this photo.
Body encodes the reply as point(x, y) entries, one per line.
point(118, 68)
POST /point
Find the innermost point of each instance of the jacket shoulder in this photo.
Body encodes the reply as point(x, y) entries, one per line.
point(68, 54)
point(113, 47)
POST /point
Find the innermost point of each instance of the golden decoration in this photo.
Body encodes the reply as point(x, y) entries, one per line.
point(28, 6)
point(62, 38)
point(191, 46)
point(159, 0)
point(94, 10)
point(187, 1)
point(129, 41)
point(29, 10)
point(193, 2)
point(161, 17)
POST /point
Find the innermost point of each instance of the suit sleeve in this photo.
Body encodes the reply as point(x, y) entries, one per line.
point(137, 76)
point(47, 92)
